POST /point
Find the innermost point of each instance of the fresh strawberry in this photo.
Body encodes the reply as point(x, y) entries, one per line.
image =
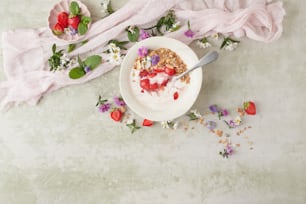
point(154, 87)
point(74, 22)
point(170, 71)
point(145, 84)
point(116, 115)
point(158, 69)
point(62, 18)
point(152, 74)
point(165, 82)
point(249, 108)
point(175, 95)
point(58, 29)
point(143, 73)
point(147, 122)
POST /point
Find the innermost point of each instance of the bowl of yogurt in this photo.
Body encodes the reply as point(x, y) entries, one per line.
point(146, 75)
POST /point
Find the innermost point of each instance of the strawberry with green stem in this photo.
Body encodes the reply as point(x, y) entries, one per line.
point(249, 107)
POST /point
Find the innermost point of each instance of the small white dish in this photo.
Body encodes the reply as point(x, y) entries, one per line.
point(158, 109)
point(61, 6)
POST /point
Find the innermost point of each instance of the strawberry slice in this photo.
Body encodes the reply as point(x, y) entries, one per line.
point(154, 87)
point(152, 74)
point(249, 108)
point(158, 69)
point(143, 73)
point(116, 115)
point(175, 95)
point(170, 71)
point(58, 29)
point(74, 22)
point(164, 83)
point(147, 122)
point(145, 84)
point(62, 18)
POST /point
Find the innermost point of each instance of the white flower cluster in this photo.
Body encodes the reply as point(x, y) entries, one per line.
point(169, 124)
point(174, 26)
point(66, 62)
point(104, 4)
point(115, 55)
point(196, 113)
point(202, 44)
point(230, 45)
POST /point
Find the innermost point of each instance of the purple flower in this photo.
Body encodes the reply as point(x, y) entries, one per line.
point(211, 125)
point(144, 35)
point(143, 51)
point(229, 149)
point(104, 107)
point(224, 112)
point(155, 59)
point(87, 69)
point(119, 101)
point(73, 31)
point(189, 33)
point(214, 108)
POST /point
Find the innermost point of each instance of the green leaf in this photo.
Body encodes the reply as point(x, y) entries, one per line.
point(93, 61)
point(133, 36)
point(84, 42)
point(82, 28)
point(76, 73)
point(110, 9)
point(80, 62)
point(223, 43)
point(71, 47)
point(74, 8)
point(85, 19)
point(53, 48)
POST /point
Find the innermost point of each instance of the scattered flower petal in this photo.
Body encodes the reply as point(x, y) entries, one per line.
point(143, 51)
point(155, 59)
point(119, 101)
point(144, 34)
point(214, 108)
point(104, 107)
point(211, 125)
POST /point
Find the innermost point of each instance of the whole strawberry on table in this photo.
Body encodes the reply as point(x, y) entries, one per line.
point(73, 22)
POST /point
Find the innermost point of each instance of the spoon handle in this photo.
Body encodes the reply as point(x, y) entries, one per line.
point(208, 58)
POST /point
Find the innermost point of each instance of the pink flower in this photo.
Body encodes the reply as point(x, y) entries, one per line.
point(143, 51)
point(189, 33)
point(144, 35)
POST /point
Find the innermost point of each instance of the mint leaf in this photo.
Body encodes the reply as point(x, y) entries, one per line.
point(53, 48)
point(133, 36)
point(84, 42)
point(93, 61)
point(71, 47)
point(86, 20)
point(74, 8)
point(76, 73)
point(82, 28)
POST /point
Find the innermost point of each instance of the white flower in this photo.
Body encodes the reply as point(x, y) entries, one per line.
point(237, 120)
point(196, 113)
point(131, 29)
point(203, 44)
point(112, 47)
point(104, 4)
point(115, 58)
point(169, 124)
point(230, 46)
point(66, 62)
point(216, 36)
point(175, 26)
point(146, 62)
point(130, 121)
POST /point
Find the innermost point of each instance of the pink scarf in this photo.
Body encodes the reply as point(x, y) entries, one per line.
point(26, 51)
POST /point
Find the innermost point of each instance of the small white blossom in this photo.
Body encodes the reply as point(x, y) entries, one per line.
point(230, 46)
point(146, 62)
point(131, 29)
point(175, 26)
point(202, 44)
point(237, 120)
point(216, 36)
point(115, 58)
point(164, 124)
point(130, 121)
point(66, 62)
point(113, 48)
point(169, 124)
point(104, 4)
point(196, 113)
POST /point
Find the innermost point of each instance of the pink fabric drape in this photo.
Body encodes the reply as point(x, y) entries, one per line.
point(26, 64)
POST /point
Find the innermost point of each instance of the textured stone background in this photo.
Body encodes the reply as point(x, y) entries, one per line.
point(64, 151)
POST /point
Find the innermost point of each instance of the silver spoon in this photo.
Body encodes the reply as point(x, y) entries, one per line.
point(208, 58)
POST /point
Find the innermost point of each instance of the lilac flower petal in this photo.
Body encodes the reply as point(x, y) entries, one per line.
point(87, 69)
point(229, 149)
point(119, 101)
point(189, 33)
point(214, 108)
point(104, 107)
point(211, 125)
point(224, 112)
point(143, 51)
point(144, 34)
point(155, 59)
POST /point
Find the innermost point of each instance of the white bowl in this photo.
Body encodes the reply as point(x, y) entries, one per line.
point(61, 6)
point(154, 110)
